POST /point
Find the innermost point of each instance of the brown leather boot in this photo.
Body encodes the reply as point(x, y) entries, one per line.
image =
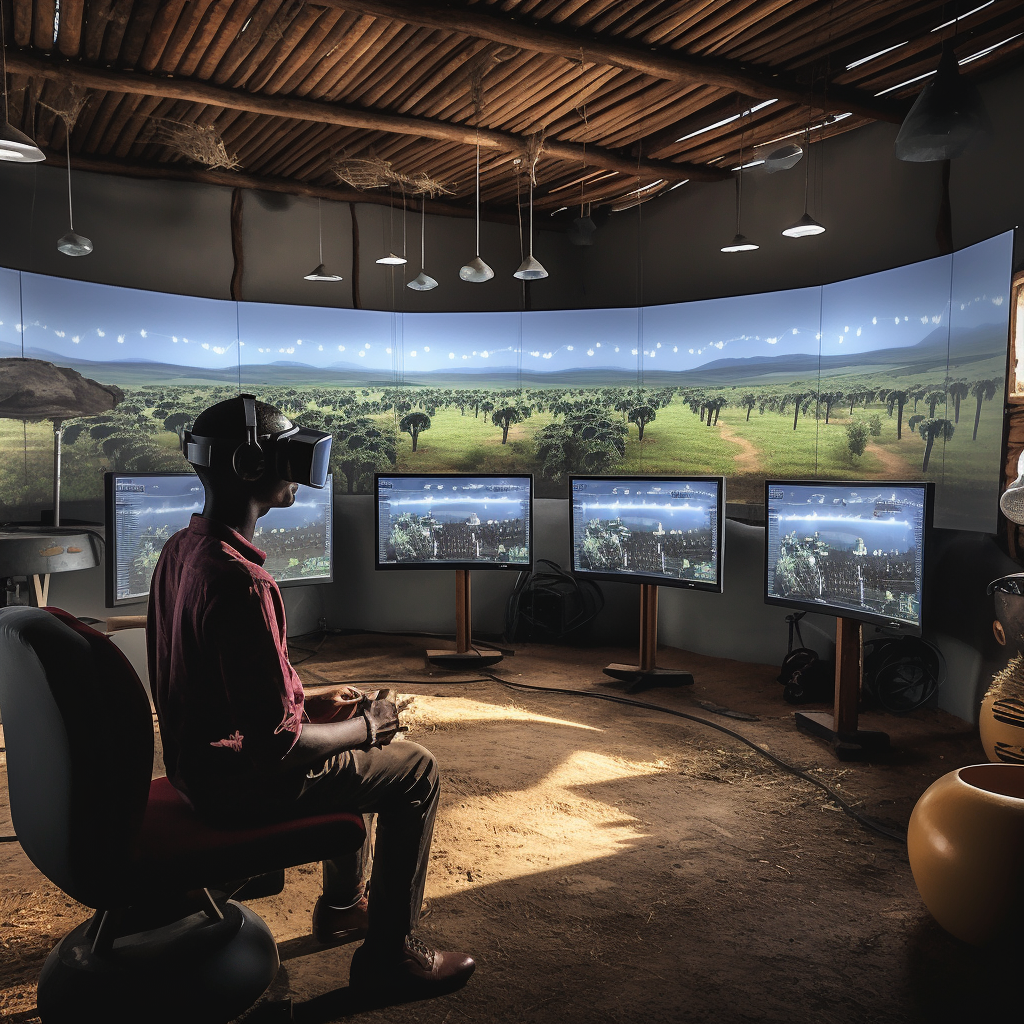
point(418, 970)
point(334, 927)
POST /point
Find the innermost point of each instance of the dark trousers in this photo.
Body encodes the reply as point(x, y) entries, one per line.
point(400, 784)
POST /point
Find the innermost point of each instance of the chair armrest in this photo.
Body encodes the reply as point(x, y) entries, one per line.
point(119, 622)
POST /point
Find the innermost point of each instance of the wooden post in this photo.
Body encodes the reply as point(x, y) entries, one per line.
point(849, 673)
point(463, 612)
point(648, 626)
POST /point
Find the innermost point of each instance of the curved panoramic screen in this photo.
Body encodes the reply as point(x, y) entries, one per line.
point(661, 530)
point(454, 522)
point(854, 550)
point(895, 374)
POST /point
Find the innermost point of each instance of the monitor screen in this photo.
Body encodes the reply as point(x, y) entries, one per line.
point(483, 521)
point(662, 530)
point(145, 509)
point(854, 550)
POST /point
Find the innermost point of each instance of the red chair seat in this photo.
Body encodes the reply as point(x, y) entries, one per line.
point(177, 849)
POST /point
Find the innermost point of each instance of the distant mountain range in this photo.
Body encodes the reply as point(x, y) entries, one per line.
point(931, 352)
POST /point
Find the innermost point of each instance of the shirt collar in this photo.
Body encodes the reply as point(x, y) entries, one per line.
point(209, 528)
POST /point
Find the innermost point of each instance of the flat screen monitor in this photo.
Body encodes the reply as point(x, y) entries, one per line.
point(854, 550)
point(647, 529)
point(447, 521)
point(145, 509)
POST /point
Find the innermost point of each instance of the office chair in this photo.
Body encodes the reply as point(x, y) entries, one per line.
point(160, 946)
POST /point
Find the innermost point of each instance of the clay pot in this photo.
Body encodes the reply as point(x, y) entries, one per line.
point(966, 847)
point(1001, 724)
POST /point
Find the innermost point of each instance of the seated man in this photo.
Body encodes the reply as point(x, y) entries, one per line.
point(231, 706)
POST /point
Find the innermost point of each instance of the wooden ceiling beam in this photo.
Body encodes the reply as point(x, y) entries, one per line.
point(758, 83)
point(287, 186)
point(190, 91)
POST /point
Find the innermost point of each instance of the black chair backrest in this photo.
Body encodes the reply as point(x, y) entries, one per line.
point(79, 736)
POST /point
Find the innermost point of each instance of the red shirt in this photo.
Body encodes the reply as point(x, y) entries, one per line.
point(228, 700)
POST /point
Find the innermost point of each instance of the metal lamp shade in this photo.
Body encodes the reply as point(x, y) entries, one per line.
point(422, 282)
point(530, 270)
point(783, 158)
point(74, 244)
point(16, 147)
point(476, 271)
point(947, 117)
point(804, 227)
point(740, 244)
point(36, 551)
point(320, 274)
point(391, 260)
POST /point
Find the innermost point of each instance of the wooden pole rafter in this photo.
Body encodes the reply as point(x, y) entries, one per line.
point(190, 91)
point(758, 83)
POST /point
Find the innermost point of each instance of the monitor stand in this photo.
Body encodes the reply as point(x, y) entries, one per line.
point(647, 674)
point(464, 657)
point(840, 729)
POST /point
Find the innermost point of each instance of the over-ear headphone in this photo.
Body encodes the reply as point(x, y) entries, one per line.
point(249, 461)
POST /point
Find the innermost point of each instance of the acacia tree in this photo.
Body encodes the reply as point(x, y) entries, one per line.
point(983, 390)
point(486, 407)
point(413, 424)
point(958, 389)
point(829, 399)
point(748, 401)
point(504, 418)
point(716, 405)
point(897, 400)
point(930, 430)
point(933, 398)
point(641, 416)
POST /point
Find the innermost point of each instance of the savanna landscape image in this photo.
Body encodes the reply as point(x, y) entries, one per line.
point(896, 376)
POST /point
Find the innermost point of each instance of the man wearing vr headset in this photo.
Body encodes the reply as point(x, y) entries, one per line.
point(230, 705)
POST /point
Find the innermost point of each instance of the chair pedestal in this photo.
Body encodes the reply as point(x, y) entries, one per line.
point(196, 968)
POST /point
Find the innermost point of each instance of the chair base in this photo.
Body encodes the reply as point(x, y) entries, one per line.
point(193, 969)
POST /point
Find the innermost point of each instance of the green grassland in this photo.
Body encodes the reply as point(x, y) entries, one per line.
point(677, 440)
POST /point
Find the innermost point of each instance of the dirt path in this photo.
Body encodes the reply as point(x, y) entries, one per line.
point(895, 466)
point(749, 459)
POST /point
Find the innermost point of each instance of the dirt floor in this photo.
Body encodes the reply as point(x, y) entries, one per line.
point(610, 863)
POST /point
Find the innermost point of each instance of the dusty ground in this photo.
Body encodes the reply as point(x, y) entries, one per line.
point(606, 863)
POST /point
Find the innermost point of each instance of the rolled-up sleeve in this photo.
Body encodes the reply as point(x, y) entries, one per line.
point(244, 635)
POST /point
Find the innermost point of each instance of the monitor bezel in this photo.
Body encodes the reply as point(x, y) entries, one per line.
point(445, 566)
point(110, 546)
point(903, 628)
point(659, 581)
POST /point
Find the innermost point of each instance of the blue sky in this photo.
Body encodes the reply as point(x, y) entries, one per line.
point(893, 308)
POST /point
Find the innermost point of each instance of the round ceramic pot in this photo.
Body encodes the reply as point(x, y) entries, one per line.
point(966, 847)
point(1001, 724)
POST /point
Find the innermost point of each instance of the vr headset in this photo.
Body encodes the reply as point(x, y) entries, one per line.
point(299, 455)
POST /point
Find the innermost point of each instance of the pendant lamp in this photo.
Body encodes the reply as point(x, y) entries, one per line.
point(783, 158)
point(806, 225)
point(476, 271)
point(320, 273)
point(72, 244)
point(947, 117)
point(530, 269)
point(15, 146)
point(422, 282)
point(740, 242)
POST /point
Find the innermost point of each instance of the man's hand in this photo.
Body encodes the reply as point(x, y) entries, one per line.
point(381, 720)
point(335, 705)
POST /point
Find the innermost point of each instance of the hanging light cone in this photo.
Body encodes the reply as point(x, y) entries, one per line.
point(391, 260)
point(16, 147)
point(946, 118)
point(530, 270)
point(74, 244)
point(476, 271)
point(422, 282)
point(740, 244)
point(783, 158)
point(804, 227)
point(321, 274)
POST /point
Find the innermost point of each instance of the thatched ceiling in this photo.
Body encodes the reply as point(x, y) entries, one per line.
point(620, 90)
